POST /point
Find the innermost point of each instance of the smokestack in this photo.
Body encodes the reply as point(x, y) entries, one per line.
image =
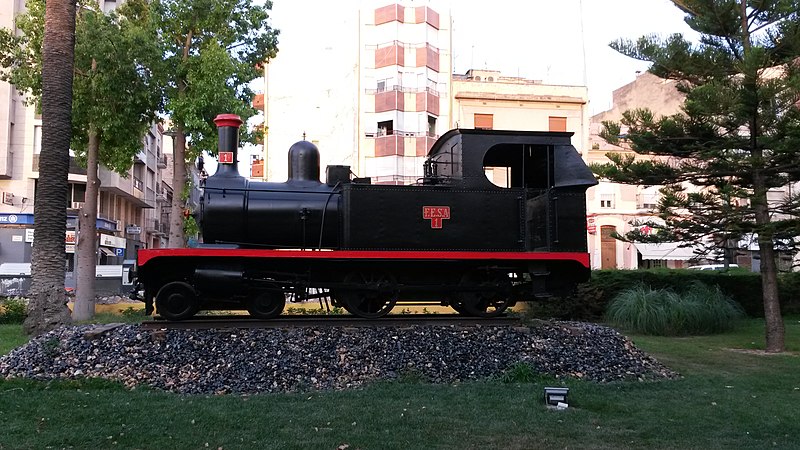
point(228, 125)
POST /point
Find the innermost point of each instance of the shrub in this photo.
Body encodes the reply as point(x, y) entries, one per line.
point(12, 310)
point(520, 373)
point(131, 312)
point(699, 309)
point(590, 300)
point(300, 311)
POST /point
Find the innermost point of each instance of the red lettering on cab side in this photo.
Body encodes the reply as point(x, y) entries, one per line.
point(436, 214)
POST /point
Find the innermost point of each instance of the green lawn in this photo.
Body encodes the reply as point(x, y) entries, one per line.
point(11, 336)
point(727, 399)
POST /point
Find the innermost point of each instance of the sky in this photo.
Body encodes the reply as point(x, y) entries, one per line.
point(556, 46)
point(562, 42)
point(558, 42)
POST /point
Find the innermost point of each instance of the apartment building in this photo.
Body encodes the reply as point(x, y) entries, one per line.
point(405, 73)
point(129, 213)
point(374, 95)
point(488, 99)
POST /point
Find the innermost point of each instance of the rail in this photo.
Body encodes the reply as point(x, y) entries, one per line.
point(396, 320)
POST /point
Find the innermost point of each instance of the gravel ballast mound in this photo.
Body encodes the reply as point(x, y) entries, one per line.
point(248, 361)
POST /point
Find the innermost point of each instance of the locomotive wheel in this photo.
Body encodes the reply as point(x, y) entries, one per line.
point(375, 299)
point(486, 294)
point(267, 304)
point(458, 306)
point(177, 301)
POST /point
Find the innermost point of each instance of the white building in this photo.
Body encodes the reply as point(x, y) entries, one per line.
point(128, 209)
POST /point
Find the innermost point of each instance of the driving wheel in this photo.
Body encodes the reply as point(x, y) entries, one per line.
point(369, 294)
point(177, 301)
point(267, 304)
point(484, 294)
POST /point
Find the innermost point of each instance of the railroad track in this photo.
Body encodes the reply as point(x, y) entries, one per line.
point(400, 320)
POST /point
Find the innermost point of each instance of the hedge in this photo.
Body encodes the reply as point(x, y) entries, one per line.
point(589, 301)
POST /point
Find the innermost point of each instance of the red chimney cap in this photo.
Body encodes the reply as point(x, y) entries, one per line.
point(228, 120)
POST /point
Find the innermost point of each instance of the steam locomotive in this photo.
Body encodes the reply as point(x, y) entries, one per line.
point(454, 238)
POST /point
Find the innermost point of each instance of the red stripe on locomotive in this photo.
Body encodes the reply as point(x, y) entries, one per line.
point(147, 255)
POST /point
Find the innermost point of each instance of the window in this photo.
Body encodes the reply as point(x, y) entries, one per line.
point(606, 200)
point(385, 85)
point(499, 176)
point(138, 174)
point(519, 166)
point(652, 264)
point(558, 123)
point(431, 85)
point(77, 193)
point(385, 128)
point(37, 139)
point(431, 126)
point(484, 121)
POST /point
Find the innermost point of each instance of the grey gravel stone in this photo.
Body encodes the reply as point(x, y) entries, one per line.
point(113, 300)
point(295, 359)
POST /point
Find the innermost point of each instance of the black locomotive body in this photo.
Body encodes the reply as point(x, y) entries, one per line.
point(454, 238)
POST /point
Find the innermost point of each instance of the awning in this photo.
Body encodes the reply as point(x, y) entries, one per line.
point(666, 251)
point(107, 251)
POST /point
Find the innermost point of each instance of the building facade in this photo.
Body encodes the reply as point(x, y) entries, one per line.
point(381, 91)
point(374, 95)
point(613, 207)
point(616, 208)
point(405, 79)
point(128, 205)
point(487, 99)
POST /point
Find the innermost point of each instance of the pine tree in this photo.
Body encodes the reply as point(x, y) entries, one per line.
point(736, 138)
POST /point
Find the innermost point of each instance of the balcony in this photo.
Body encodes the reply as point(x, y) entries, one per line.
point(154, 226)
point(389, 101)
point(394, 98)
point(428, 101)
point(428, 56)
point(161, 161)
point(397, 143)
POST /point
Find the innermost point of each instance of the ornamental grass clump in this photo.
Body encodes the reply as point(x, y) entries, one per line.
point(699, 309)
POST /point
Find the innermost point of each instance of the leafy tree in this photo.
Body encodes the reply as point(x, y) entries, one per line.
point(736, 137)
point(117, 94)
point(115, 99)
point(212, 49)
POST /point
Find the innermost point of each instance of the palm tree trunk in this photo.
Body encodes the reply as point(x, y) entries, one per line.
point(47, 308)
